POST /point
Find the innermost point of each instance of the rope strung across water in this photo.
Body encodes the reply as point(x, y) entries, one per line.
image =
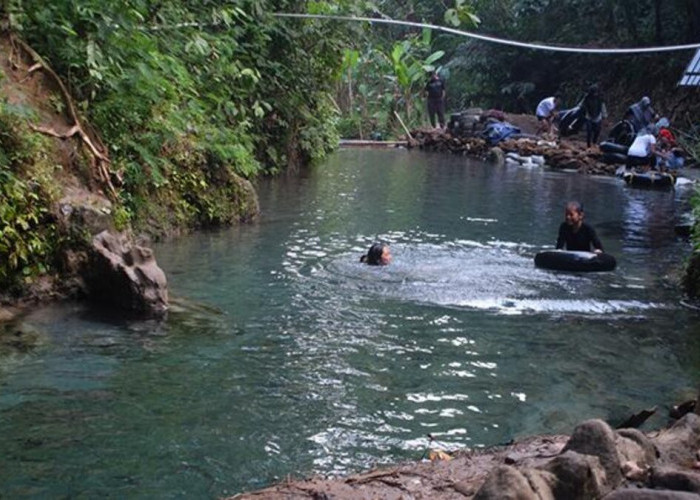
point(503, 41)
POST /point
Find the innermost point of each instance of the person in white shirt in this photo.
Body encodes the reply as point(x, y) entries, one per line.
point(643, 150)
point(545, 112)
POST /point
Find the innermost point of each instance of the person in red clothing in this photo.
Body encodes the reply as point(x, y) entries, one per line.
point(670, 156)
point(664, 135)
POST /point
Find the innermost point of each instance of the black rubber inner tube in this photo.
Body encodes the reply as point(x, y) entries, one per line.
point(614, 158)
point(611, 147)
point(564, 260)
point(649, 179)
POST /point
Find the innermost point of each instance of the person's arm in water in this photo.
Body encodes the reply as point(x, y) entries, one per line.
point(595, 241)
point(561, 237)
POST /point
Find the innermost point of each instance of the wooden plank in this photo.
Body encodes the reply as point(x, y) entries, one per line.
point(378, 144)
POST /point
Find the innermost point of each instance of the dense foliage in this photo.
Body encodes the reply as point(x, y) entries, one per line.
point(28, 235)
point(183, 91)
point(516, 79)
point(190, 97)
point(491, 75)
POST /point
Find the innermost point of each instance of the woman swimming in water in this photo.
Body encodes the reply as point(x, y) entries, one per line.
point(377, 255)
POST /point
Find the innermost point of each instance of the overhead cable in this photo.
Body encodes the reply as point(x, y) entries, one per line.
point(502, 41)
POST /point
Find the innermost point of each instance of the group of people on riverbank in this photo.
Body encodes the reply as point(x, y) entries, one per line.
point(650, 141)
point(648, 137)
point(590, 110)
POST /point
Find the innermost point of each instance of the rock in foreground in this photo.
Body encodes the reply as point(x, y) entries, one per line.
point(595, 462)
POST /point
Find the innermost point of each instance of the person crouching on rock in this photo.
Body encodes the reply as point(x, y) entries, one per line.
point(378, 254)
point(642, 152)
point(576, 235)
point(546, 112)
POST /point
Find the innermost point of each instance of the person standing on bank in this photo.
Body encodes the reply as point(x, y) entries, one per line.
point(576, 235)
point(640, 114)
point(435, 92)
point(595, 112)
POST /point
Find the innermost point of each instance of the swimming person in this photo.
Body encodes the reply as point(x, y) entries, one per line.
point(378, 254)
point(576, 235)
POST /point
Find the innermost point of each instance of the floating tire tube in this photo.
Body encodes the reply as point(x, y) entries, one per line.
point(649, 179)
point(566, 260)
point(614, 158)
point(612, 147)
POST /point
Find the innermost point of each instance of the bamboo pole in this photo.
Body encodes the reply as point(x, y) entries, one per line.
point(404, 126)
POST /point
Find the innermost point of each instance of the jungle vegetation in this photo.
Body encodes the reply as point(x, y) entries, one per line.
point(189, 96)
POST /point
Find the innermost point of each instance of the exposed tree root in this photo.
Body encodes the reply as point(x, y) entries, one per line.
point(99, 155)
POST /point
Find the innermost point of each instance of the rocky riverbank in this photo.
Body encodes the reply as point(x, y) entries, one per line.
point(596, 461)
point(558, 153)
point(561, 154)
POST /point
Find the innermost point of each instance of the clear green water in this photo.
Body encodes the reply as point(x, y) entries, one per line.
point(283, 355)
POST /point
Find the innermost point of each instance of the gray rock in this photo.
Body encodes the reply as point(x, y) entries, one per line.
point(506, 483)
point(81, 212)
point(595, 437)
point(679, 444)
point(578, 476)
point(646, 494)
point(673, 479)
point(121, 274)
point(497, 156)
point(645, 446)
point(541, 482)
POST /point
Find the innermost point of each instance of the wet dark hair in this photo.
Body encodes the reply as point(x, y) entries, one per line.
point(575, 205)
point(374, 254)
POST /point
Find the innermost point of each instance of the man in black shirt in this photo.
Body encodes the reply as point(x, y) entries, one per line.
point(595, 112)
point(576, 235)
point(435, 90)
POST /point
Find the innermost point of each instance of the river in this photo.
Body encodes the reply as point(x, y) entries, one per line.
point(283, 355)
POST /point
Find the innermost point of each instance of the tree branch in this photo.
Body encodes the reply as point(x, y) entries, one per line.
point(99, 154)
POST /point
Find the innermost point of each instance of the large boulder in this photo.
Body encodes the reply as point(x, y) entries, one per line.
point(508, 483)
point(679, 444)
point(81, 212)
point(121, 274)
point(578, 476)
point(595, 437)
